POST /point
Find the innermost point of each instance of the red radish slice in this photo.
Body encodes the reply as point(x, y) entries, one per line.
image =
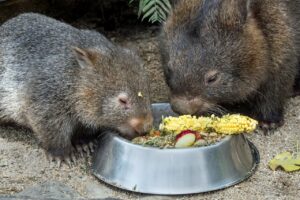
point(185, 139)
point(198, 136)
point(186, 131)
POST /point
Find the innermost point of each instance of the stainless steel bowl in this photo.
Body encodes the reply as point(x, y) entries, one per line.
point(132, 167)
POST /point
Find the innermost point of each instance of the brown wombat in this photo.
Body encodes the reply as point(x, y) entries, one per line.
point(234, 55)
point(56, 79)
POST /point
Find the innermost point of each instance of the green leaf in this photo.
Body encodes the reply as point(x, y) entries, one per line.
point(287, 161)
point(154, 10)
point(141, 5)
point(130, 1)
point(149, 12)
point(161, 13)
point(163, 6)
point(167, 3)
point(150, 5)
point(154, 18)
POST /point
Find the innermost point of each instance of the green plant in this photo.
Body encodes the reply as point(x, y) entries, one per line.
point(154, 10)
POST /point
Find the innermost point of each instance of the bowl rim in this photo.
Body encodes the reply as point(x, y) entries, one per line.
point(138, 146)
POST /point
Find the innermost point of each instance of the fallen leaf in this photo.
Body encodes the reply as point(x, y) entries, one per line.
point(289, 162)
point(140, 94)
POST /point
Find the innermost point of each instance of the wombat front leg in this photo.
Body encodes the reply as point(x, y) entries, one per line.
point(270, 120)
point(296, 87)
point(56, 140)
point(268, 110)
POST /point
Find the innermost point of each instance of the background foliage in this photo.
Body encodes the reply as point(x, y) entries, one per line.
point(154, 10)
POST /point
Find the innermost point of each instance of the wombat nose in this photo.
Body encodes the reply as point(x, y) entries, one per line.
point(142, 125)
point(183, 105)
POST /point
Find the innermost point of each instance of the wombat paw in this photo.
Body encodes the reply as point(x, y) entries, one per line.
point(86, 148)
point(296, 93)
point(70, 160)
point(268, 128)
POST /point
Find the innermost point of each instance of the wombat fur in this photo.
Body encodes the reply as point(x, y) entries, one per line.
point(234, 55)
point(56, 80)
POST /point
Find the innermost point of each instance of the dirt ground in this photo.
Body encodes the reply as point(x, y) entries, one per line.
point(23, 163)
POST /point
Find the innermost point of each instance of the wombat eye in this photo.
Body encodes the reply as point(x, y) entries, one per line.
point(123, 100)
point(168, 71)
point(212, 77)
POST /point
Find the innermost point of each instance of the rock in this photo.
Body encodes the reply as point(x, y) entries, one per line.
point(55, 190)
point(95, 190)
point(50, 190)
point(16, 198)
point(36, 198)
point(158, 197)
point(6, 197)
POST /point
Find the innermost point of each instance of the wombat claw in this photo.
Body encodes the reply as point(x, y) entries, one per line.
point(68, 160)
point(86, 148)
point(54, 159)
point(73, 158)
point(54, 162)
point(79, 150)
point(92, 145)
point(268, 128)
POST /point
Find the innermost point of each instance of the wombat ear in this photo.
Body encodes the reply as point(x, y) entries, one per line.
point(234, 12)
point(131, 49)
point(86, 57)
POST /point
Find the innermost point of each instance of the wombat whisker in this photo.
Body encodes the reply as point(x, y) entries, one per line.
point(217, 110)
point(222, 109)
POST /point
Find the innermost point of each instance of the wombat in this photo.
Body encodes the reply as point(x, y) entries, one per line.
point(56, 79)
point(232, 55)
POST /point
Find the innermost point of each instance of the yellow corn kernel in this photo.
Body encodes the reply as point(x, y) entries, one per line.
point(234, 124)
point(184, 122)
point(228, 124)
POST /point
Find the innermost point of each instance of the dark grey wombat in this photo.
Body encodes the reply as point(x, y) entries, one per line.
point(56, 79)
point(241, 55)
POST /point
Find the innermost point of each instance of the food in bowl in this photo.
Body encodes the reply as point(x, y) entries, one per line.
point(192, 131)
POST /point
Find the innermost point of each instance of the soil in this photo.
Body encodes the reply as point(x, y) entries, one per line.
point(23, 163)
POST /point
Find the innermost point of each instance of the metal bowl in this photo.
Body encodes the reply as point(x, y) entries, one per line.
point(150, 170)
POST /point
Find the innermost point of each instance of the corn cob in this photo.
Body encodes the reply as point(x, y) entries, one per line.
point(228, 124)
point(184, 122)
point(234, 124)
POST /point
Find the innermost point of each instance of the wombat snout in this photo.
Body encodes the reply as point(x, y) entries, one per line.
point(137, 126)
point(188, 105)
